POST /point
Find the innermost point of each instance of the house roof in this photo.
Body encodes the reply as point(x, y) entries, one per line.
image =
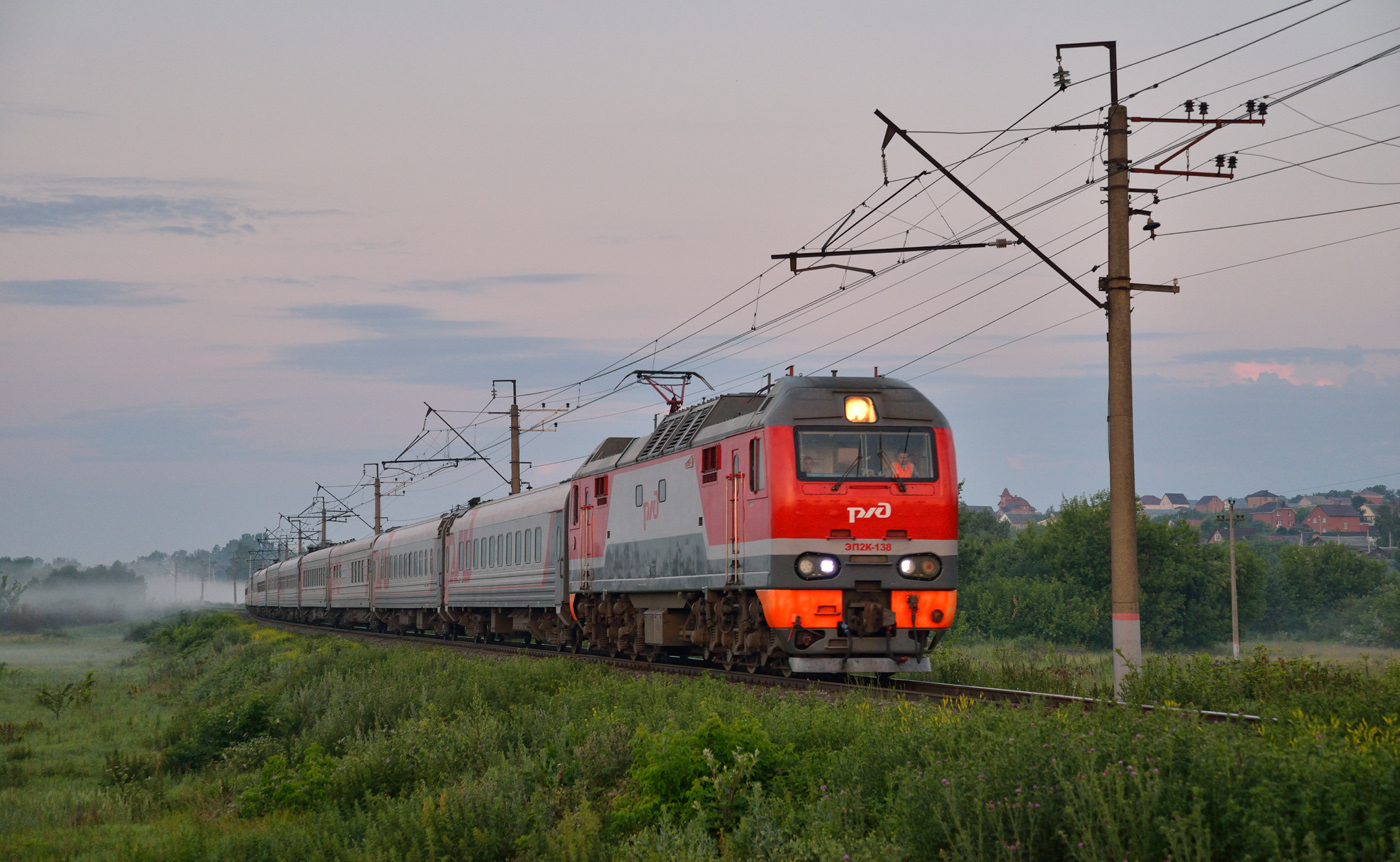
point(1335, 511)
point(1211, 499)
point(1149, 500)
point(1263, 494)
point(1176, 499)
point(1019, 519)
point(1269, 507)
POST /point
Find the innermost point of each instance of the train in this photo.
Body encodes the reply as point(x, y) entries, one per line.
point(808, 528)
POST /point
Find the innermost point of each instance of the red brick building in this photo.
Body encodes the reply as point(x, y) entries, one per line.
point(1275, 515)
point(1334, 519)
point(1261, 498)
point(1010, 504)
point(1210, 504)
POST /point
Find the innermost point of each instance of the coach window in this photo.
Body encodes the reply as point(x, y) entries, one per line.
point(661, 490)
point(539, 547)
point(518, 560)
point(755, 465)
point(501, 554)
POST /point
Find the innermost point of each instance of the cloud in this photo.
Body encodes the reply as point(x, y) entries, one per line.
point(478, 282)
point(184, 207)
point(36, 110)
point(1351, 356)
point(190, 216)
point(152, 433)
point(80, 292)
point(407, 343)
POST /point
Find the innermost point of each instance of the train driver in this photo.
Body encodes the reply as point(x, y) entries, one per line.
point(901, 467)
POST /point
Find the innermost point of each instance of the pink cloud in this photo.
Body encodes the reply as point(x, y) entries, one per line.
point(1252, 370)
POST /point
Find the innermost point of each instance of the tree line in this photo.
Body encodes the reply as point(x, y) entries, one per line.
point(1050, 582)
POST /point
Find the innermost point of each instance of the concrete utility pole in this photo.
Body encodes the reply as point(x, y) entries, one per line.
point(323, 522)
point(514, 435)
point(1234, 596)
point(1122, 481)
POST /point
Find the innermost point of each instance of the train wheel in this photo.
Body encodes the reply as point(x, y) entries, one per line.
point(752, 662)
point(727, 660)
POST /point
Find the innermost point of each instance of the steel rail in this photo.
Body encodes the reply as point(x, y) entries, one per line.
point(916, 688)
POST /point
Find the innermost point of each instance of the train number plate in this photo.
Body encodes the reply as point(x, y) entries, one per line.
point(869, 546)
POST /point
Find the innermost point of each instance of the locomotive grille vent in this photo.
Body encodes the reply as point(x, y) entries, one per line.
point(676, 431)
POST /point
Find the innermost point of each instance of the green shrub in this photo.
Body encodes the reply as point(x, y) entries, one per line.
point(200, 735)
point(284, 787)
point(705, 771)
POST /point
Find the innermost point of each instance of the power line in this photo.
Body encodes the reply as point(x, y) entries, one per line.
point(1277, 220)
point(1287, 166)
point(1288, 253)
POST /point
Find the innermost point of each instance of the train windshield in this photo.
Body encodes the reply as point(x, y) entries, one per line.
point(904, 453)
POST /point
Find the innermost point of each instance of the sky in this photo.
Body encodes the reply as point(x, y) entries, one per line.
point(245, 244)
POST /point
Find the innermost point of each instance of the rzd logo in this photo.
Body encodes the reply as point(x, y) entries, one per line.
point(881, 511)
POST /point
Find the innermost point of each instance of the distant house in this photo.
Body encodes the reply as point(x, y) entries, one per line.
point(1259, 498)
point(1275, 515)
point(1210, 504)
point(1359, 542)
point(1012, 505)
point(1175, 501)
point(1021, 520)
point(1310, 501)
point(1149, 501)
point(1334, 519)
point(1368, 513)
point(1371, 497)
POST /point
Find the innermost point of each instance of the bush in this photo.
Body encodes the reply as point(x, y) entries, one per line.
point(200, 735)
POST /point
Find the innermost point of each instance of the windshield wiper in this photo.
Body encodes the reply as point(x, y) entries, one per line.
point(837, 486)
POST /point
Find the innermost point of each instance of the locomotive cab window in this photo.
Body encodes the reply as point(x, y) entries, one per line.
point(755, 465)
point(906, 454)
point(600, 490)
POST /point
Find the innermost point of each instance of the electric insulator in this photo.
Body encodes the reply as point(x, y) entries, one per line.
point(1249, 107)
point(1219, 162)
point(1232, 162)
point(1190, 106)
point(1263, 108)
point(885, 168)
point(1060, 77)
point(1203, 110)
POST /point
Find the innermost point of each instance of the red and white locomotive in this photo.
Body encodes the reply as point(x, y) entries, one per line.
point(807, 528)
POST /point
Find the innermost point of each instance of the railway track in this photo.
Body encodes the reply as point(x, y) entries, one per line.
point(867, 684)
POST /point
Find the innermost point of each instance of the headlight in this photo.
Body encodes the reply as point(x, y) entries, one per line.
point(923, 567)
point(813, 567)
point(860, 408)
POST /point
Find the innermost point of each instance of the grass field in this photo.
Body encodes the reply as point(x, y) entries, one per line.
point(221, 740)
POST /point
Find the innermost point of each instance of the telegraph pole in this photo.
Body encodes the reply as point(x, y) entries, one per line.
point(514, 437)
point(1234, 596)
point(1122, 479)
point(323, 522)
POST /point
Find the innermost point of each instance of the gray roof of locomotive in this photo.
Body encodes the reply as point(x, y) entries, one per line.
point(790, 401)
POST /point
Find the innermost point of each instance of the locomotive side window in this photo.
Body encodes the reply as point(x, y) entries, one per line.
point(906, 454)
point(639, 495)
point(661, 491)
point(755, 465)
point(573, 496)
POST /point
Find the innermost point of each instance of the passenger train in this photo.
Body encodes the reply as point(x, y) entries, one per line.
point(807, 528)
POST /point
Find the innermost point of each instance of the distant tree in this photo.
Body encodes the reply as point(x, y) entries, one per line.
point(72, 576)
point(9, 594)
point(1358, 501)
point(1318, 591)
